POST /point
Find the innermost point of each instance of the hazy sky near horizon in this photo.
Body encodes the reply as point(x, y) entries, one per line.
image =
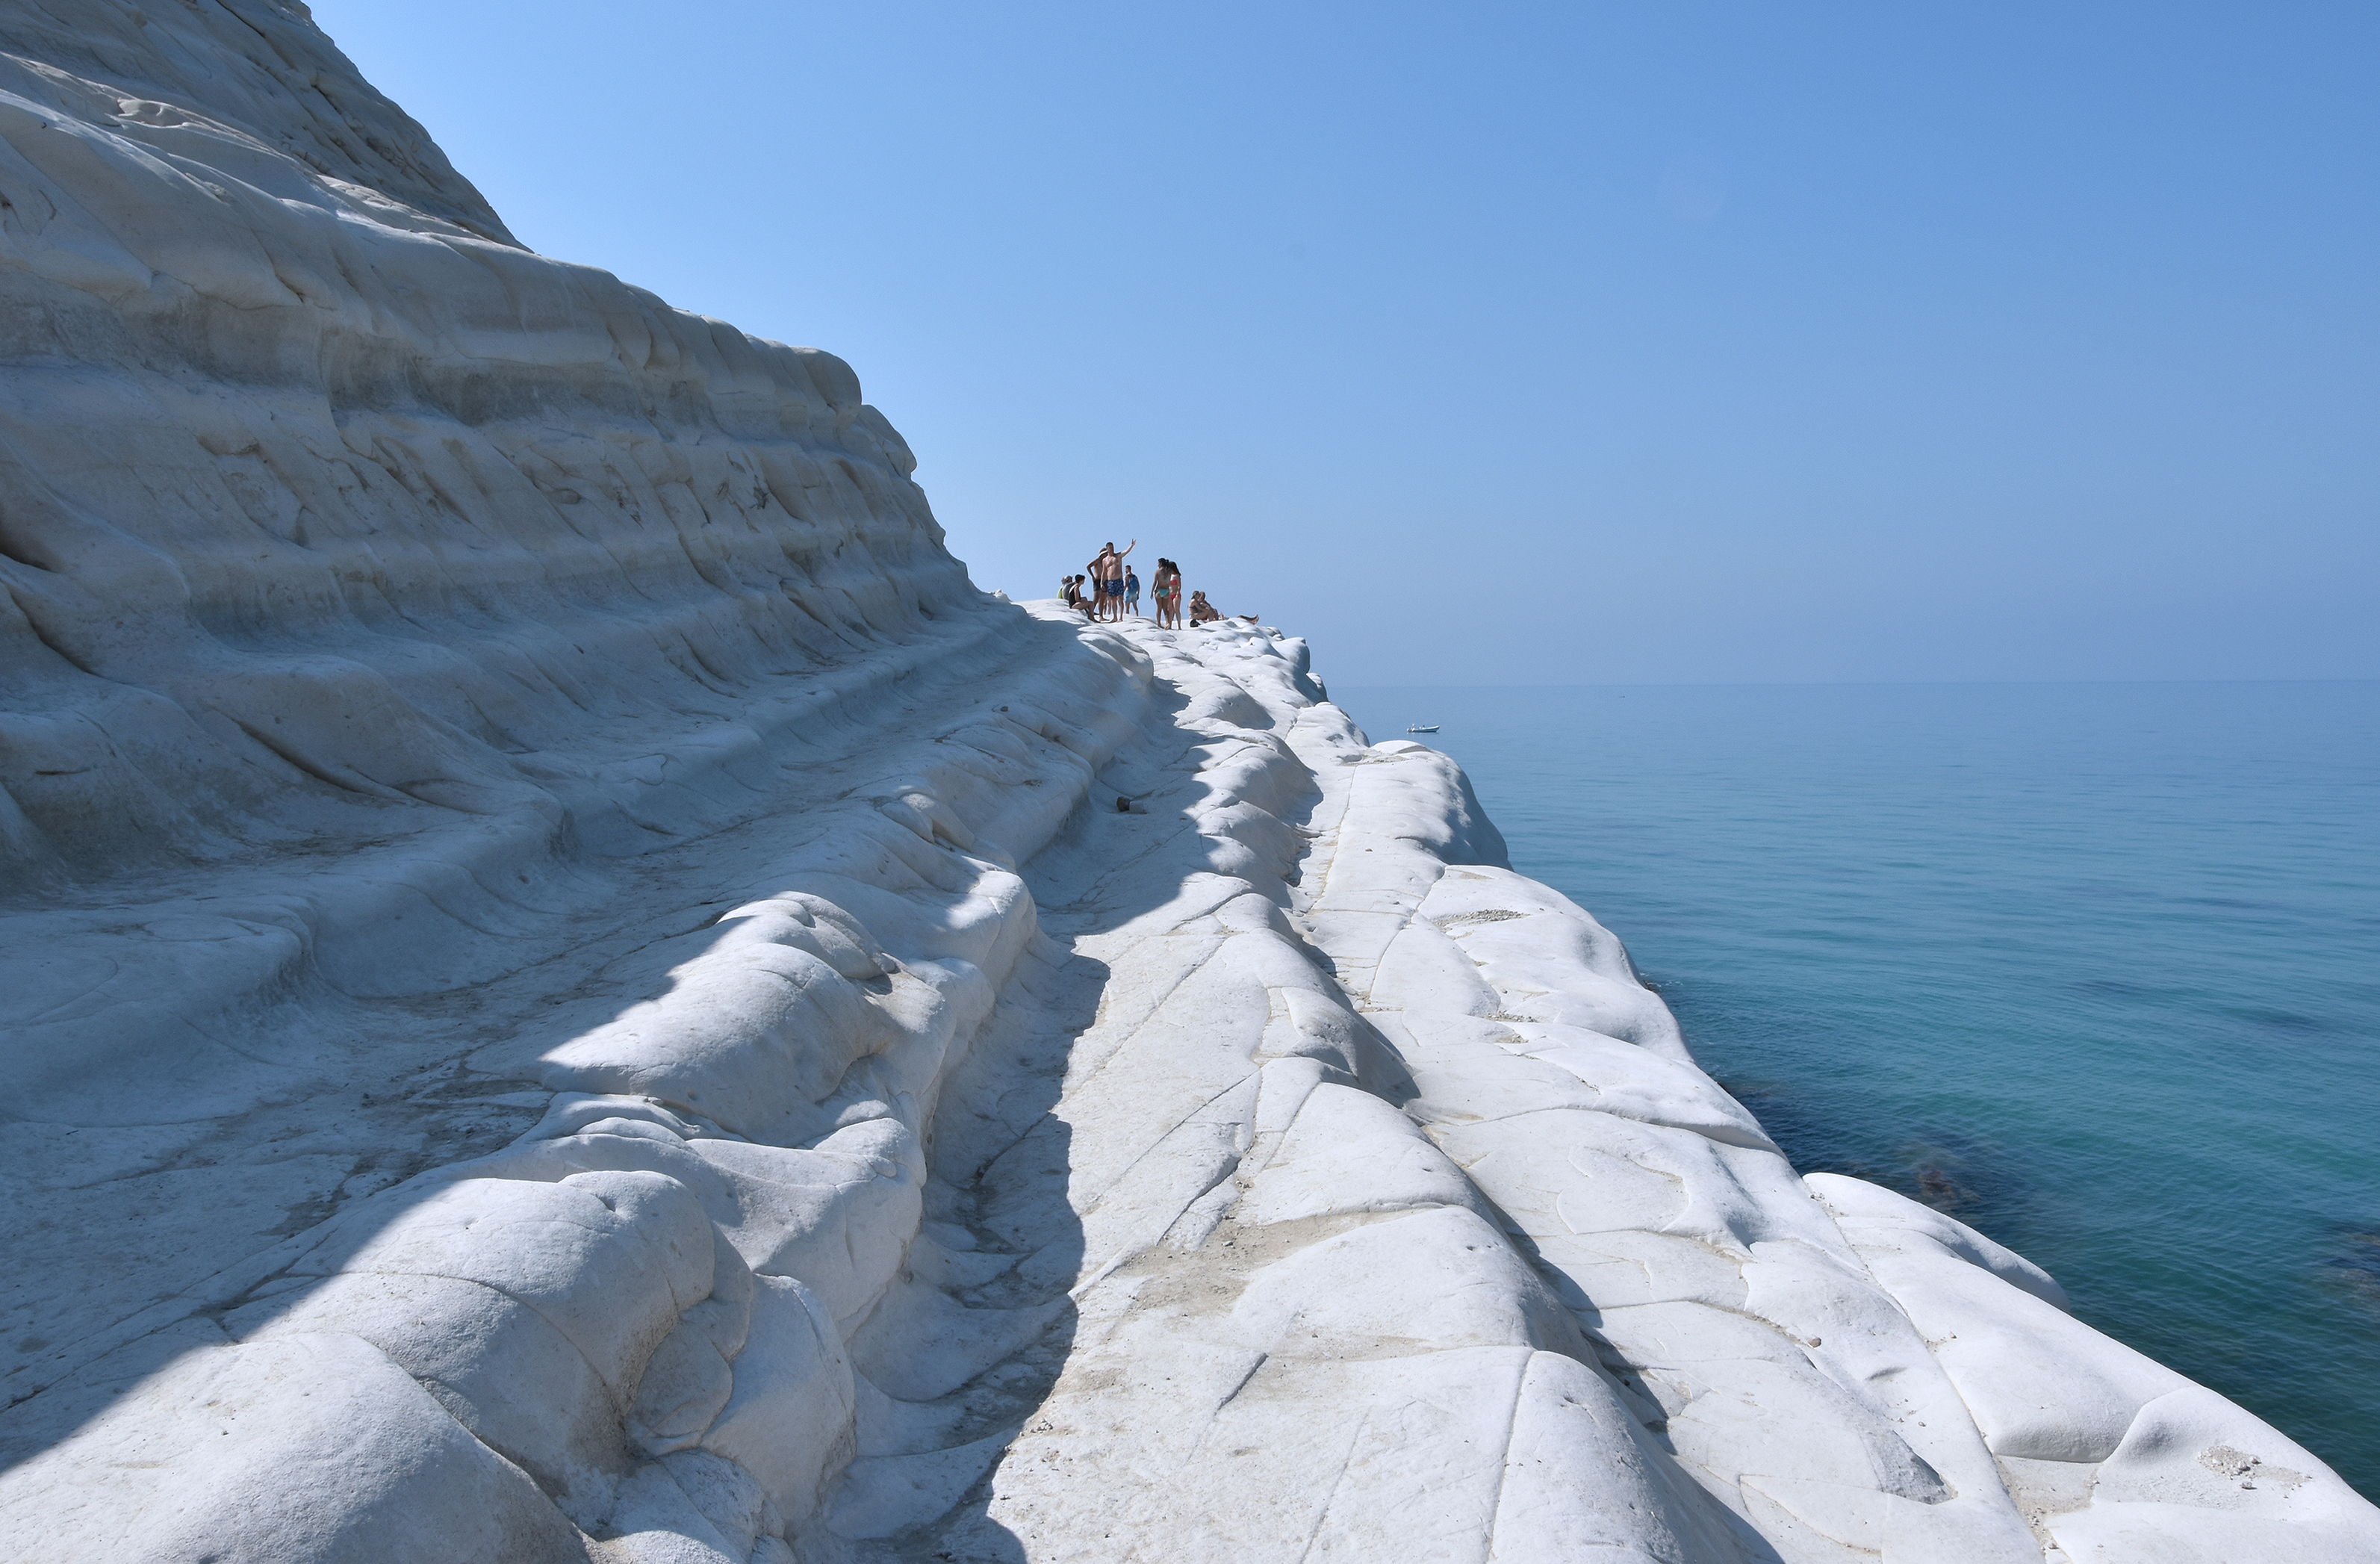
point(1537, 343)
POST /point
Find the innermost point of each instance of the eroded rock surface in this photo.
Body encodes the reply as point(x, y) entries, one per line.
point(573, 990)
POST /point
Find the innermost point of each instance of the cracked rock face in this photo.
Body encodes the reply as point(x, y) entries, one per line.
point(573, 990)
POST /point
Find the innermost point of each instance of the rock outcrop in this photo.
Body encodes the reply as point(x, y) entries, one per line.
point(573, 990)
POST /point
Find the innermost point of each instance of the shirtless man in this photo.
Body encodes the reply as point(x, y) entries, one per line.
point(1201, 611)
point(1108, 572)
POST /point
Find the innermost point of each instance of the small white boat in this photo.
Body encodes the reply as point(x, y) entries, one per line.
point(1423, 728)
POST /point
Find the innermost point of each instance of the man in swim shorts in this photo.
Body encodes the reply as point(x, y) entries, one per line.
point(1108, 571)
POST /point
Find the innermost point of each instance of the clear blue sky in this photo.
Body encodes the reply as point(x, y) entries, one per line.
point(1551, 344)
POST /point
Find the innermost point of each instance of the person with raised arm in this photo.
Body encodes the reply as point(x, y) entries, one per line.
point(1107, 578)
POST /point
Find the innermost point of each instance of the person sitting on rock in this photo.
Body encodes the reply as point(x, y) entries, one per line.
point(1201, 611)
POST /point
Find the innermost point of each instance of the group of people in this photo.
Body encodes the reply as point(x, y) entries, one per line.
point(1109, 589)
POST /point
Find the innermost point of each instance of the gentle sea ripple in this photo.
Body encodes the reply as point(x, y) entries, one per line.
point(2094, 967)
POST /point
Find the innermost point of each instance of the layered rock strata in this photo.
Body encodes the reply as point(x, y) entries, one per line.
point(573, 990)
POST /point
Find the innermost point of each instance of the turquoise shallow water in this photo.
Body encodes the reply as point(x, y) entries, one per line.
point(2095, 967)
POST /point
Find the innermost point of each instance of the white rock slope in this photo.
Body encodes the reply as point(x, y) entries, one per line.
point(573, 991)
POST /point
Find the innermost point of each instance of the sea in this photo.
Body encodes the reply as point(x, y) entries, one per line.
point(2093, 967)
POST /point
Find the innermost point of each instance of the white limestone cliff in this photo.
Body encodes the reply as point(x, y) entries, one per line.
point(572, 991)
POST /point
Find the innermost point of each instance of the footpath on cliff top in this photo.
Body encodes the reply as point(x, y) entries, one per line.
point(572, 990)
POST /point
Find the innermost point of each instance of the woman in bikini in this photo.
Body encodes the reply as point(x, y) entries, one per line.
point(1167, 586)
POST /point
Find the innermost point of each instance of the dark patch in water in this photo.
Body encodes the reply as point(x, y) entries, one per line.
point(1957, 1174)
point(2104, 888)
point(2279, 1020)
point(1940, 1188)
point(1948, 1172)
point(2357, 1263)
point(2114, 988)
point(1748, 1093)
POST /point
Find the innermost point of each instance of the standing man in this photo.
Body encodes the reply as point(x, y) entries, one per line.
point(1108, 571)
point(1131, 591)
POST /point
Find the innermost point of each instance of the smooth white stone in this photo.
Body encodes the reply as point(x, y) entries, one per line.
point(579, 993)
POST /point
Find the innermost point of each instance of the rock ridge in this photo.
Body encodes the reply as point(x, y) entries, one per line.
point(573, 991)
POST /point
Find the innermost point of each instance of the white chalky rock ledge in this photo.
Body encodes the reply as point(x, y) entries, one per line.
point(573, 991)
